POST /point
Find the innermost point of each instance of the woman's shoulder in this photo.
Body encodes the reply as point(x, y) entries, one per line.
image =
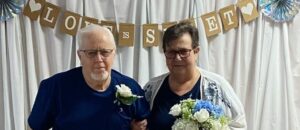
point(212, 77)
point(157, 79)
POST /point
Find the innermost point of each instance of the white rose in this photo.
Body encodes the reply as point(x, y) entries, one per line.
point(179, 124)
point(226, 127)
point(124, 91)
point(175, 110)
point(216, 125)
point(201, 115)
point(191, 125)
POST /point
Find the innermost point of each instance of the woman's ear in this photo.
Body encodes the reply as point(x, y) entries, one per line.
point(197, 50)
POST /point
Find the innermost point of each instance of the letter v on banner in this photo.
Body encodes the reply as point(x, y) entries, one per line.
point(88, 20)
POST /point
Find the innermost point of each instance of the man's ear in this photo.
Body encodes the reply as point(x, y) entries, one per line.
point(78, 54)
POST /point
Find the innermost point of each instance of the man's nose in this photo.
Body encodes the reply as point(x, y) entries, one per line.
point(99, 57)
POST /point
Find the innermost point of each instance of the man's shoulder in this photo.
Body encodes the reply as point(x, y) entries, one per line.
point(122, 78)
point(117, 74)
point(68, 74)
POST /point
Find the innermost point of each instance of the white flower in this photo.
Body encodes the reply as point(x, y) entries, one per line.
point(179, 124)
point(183, 124)
point(191, 125)
point(226, 127)
point(175, 110)
point(124, 95)
point(201, 115)
point(123, 90)
point(216, 125)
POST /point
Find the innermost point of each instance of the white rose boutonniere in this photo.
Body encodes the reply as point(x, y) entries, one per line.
point(124, 95)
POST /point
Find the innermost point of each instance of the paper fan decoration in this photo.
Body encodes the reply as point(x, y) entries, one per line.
point(9, 8)
point(280, 10)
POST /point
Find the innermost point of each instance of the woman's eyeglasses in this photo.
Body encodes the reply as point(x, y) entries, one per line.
point(183, 53)
point(93, 53)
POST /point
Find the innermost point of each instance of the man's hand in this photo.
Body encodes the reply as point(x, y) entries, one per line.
point(139, 125)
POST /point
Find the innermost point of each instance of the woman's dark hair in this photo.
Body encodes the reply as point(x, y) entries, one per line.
point(176, 31)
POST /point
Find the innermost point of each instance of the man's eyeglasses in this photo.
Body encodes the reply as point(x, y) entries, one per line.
point(93, 53)
point(183, 53)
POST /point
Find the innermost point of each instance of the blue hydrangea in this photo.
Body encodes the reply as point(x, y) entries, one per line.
point(214, 110)
point(200, 104)
point(217, 112)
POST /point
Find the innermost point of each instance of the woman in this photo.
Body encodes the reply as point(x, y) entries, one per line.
point(186, 80)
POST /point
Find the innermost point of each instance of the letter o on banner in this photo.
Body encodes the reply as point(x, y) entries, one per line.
point(70, 23)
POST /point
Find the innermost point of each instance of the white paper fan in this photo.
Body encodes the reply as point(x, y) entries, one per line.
point(9, 8)
point(279, 10)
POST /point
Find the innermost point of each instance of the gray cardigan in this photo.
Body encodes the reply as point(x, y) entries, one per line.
point(216, 89)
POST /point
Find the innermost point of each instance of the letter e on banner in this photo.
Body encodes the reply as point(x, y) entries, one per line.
point(126, 34)
point(211, 24)
point(229, 17)
point(110, 25)
point(70, 23)
point(150, 35)
point(49, 15)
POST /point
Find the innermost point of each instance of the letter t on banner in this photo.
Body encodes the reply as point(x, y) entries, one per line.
point(126, 34)
point(229, 17)
point(211, 24)
point(150, 35)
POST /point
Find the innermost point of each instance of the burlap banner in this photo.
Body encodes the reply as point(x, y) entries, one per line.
point(214, 22)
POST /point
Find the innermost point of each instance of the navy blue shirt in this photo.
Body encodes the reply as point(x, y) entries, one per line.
point(66, 102)
point(160, 119)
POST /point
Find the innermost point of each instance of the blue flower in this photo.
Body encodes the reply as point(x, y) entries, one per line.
point(217, 112)
point(200, 104)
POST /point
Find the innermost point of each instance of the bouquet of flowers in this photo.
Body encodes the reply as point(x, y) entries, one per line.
point(198, 115)
point(124, 95)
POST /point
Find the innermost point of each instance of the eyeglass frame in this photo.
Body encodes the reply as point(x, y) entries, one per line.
point(179, 52)
point(96, 52)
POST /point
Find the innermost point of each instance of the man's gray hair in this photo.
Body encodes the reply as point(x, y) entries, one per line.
point(92, 27)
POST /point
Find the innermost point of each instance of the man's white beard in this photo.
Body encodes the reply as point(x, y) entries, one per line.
point(99, 76)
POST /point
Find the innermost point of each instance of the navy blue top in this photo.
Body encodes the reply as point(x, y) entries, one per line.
point(66, 102)
point(160, 119)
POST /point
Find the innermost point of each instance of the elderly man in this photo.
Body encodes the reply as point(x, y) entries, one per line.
point(85, 98)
